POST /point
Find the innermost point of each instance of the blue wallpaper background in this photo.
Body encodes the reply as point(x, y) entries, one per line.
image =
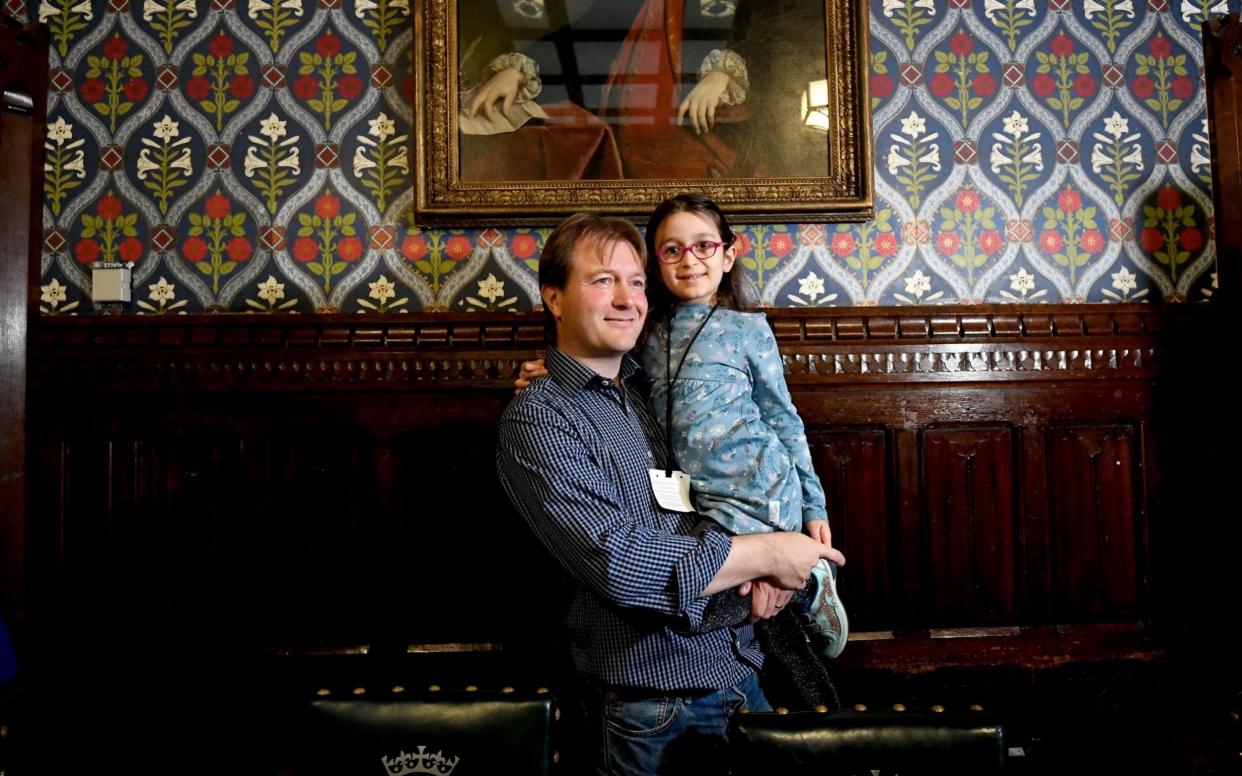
point(253, 156)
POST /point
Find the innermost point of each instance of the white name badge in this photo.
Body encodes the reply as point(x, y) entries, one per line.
point(671, 492)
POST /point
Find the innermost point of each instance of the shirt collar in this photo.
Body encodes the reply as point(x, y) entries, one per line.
point(573, 375)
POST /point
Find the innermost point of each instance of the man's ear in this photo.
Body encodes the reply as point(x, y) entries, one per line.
point(551, 300)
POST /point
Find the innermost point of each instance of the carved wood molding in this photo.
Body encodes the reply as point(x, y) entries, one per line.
point(433, 351)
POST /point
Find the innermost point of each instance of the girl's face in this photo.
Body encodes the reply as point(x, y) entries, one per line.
point(692, 280)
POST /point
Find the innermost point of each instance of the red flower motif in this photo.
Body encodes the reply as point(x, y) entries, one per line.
point(135, 89)
point(1091, 241)
point(349, 248)
point(990, 241)
point(1169, 199)
point(457, 248)
point(194, 249)
point(1191, 239)
point(328, 46)
point(948, 243)
point(881, 85)
point(238, 249)
point(523, 246)
point(327, 206)
point(1061, 45)
point(92, 90)
point(961, 44)
point(885, 244)
point(109, 208)
point(415, 247)
point(1069, 200)
point(1151, 240)
point(967, 200)
point(305, 88)
point(115, 48)
point(1043, 85)
point(221, 46)
point(349, 87)
point(984, 84)
point(305, 249)
point(1050, 241)
point(241, 87)
point(1084, 85)
point(130, 249)
point(218, 206)
point(1182, 87)
point(198, 88)
point(941, 85)
point(843, 244)
point(780, 245)
point(1160, 47)
point(86, 251)
point(1143, 87)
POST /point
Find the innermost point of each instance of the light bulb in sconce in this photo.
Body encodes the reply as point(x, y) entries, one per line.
point(815, 105)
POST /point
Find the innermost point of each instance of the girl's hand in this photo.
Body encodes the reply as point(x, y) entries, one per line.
point(529, 371)
point(818, 530)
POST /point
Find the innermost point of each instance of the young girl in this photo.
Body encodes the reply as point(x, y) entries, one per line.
point(718, 389)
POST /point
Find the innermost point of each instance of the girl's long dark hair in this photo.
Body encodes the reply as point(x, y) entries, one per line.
point(660, 301)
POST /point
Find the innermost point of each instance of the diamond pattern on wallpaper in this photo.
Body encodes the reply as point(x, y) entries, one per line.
point(253, 156)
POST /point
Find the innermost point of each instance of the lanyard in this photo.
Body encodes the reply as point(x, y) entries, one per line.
point(670, 379)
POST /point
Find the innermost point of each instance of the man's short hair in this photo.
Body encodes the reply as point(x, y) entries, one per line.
point(587, 232)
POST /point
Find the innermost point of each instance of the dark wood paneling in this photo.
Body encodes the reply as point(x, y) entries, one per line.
point(245, 483)
point(970, 525)
point(1096, 523)
point(853, 465)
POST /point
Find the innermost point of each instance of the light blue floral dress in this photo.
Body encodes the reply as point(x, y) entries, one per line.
point(735, 429)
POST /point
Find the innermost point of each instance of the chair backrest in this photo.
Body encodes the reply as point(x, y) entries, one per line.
point(458, 733)
point(845, 742)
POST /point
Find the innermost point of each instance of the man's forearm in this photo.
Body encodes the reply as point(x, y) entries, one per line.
point(784, 558)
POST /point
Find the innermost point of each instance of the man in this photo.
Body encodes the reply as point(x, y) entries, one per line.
point(574, 456)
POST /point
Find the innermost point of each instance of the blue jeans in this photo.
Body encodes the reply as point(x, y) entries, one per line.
point(666, 734)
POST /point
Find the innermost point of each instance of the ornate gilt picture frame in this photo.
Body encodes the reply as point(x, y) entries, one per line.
point(528, 110)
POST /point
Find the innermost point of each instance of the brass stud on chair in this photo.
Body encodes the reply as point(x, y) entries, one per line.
point(434, 688)
point(506, 690)
point(782, 710)
point(397, 689)
point(822, 709)
point(938, 708)
point(744, 710)
point(976, 707)
point(359, 691)
point(541, 691)
point(860, 707)
point(899, 707)
point(556, 714)
point(323, 692)
point(472, 688)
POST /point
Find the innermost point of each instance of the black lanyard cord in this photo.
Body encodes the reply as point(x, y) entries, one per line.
point(670, 379)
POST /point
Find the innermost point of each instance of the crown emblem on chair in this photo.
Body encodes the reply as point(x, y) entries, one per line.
point(421, 761)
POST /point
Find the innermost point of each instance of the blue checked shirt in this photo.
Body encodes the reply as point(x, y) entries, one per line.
point(573, 456)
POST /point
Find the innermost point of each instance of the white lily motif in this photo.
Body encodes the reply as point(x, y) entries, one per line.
point(1124, 280)
point(383, 289)
point(811, 286)
point(271, 290)
point(490, 288)
point(1091, 7)
point(918, 284)
point(1190, 10)
point(990, 7)
point(890, 6)
point(1199, 160)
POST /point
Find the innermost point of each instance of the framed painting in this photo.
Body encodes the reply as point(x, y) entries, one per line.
point(528, 110)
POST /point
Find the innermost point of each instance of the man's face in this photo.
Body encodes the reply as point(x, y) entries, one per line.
point(600, 311)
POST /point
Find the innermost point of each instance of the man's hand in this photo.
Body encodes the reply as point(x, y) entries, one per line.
point(700, 104)
point(502, 87)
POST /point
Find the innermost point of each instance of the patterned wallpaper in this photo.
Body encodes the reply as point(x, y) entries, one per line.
point(253, 156)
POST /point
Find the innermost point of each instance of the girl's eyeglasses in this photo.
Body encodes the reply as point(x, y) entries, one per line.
point(702, 250)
